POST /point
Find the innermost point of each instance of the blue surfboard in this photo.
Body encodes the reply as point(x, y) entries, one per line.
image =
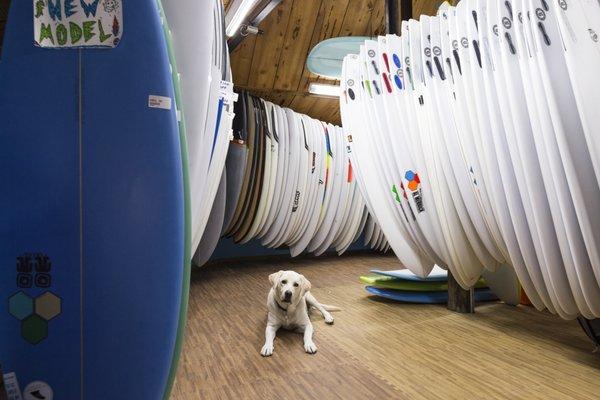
point(425, 297)
point(92, 216)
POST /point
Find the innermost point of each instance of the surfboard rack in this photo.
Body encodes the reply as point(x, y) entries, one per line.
point(459, 299)
point(591, 327)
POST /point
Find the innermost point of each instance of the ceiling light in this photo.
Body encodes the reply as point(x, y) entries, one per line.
point(237, 14)
point(324, 89)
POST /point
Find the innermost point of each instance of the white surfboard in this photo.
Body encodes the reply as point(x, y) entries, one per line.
point(282, 169)
point(544, 199)
point(579, 23)
point(574, 154)
point(380, 199)
point(486, 171)
point(522, 150)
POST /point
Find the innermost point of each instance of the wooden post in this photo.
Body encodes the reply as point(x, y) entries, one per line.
point(395, 12)
point(459, 299)
point(392, 17)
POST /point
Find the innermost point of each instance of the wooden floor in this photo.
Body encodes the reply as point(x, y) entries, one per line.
point(376, 349)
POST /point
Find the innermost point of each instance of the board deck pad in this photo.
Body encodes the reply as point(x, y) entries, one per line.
point(94, 221)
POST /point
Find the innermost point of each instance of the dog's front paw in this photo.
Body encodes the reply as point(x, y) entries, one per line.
point(267, 350)
point(310, 347)
point(329, 320)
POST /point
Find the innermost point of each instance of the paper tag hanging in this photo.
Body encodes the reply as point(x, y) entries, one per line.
point(77, 23)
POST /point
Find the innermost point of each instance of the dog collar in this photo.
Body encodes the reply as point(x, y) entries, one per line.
point(279, 306)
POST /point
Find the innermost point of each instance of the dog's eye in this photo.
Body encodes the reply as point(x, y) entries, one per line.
point(283, 282)
point(295, 284)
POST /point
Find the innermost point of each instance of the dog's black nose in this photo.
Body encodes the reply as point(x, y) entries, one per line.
point(288, 295)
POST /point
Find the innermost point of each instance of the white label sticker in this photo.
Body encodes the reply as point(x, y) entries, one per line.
point(38, 390)
point(159, 102)
point(77, 23)
point(11, 385)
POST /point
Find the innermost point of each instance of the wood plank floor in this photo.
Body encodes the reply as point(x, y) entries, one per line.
point(376, 349)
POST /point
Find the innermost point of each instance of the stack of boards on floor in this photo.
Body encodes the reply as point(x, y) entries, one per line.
point(404, 286)
point(290, 183)
point(100, 207)
point(485, 118)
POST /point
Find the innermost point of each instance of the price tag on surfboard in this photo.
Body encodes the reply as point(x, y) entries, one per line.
point(77, 23)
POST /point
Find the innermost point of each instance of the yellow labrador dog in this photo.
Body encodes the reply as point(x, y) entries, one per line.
point(288, 303)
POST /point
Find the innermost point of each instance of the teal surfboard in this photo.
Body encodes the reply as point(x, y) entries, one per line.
point(325, 59)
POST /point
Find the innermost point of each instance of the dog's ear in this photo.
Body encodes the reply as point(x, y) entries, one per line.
point(274, 277)
point(305, 284)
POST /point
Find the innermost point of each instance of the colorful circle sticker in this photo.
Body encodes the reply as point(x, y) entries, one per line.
point(38, 390)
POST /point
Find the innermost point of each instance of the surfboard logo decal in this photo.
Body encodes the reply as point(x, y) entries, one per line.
point(414, 185)
point(563, 4)
point(368, 86)
point(388, 86)
point(397, 80)
point(375, 67)
point(38, 390)
point(350, 171)
point(376, 86)
point(33, 271)
point(386, 61)
point(396, 195)
point(296, 201)
point(399, 201)
point(540, 14)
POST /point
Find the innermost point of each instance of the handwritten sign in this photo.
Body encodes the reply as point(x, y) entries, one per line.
point(77, 23)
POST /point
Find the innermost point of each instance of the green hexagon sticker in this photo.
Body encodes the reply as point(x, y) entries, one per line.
point(34, 329)
point(48, 306)
point(20, 305)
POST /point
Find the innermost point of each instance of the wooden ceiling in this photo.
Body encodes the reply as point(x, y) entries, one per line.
point(273, 65)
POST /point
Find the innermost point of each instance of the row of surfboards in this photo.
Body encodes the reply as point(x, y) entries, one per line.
point(269, 148)
point(474, 137)
point(206, 109)
point(289, 182)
